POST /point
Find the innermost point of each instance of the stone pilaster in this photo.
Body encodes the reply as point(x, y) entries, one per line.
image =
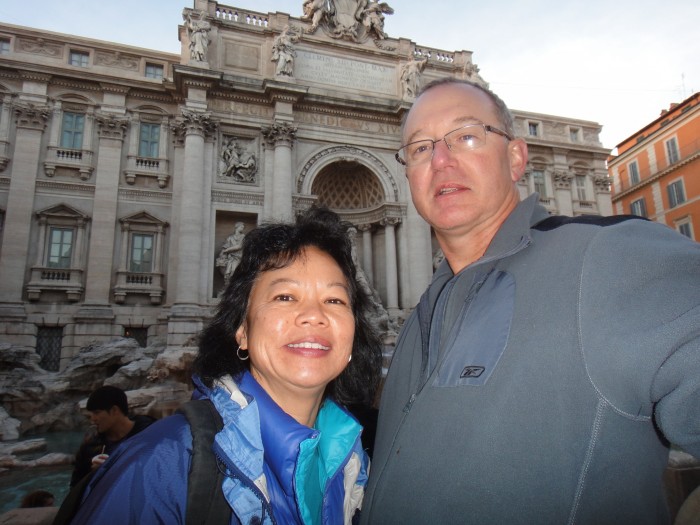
point(416, 234)
point(283, 135)
point(31, 123)
point(111, 131)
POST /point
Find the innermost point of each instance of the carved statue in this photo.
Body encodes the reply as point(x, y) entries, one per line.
point(198, 33)
point(314, 11)
point(410, 76)
point(372, 17)
point(283, 52)
point(238, 164)
point(438, 257)
point(230, 254)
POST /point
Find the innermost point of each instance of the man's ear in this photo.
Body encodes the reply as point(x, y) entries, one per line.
point(517, 152)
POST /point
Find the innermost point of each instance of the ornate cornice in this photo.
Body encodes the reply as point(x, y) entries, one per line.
point(237, 197)
point(134, 194)
point(115, 88)
point(65, 187)
point(36, 76)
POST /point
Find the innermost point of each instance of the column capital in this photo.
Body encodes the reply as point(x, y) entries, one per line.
point(31, 116)
point(602, 183)
point(365, 227)
point(111, 126)
point(194, 122)
point(280, 132)
point(390, 221)
point(562, 179)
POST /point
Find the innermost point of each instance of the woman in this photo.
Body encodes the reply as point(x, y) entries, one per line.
point(288, 347)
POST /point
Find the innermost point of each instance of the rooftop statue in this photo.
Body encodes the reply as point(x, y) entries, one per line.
point(357, 20)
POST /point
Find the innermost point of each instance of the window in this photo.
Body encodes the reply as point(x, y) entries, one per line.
point(60, 248)
point(48, 346)
point(72, 130)
point(676, 194)
point(141, 253)
point(672, 151)
point(140, 334)
point(149, 140)
point(639, 208)
point(581, 187)
point(4, 46)
point(634, 173)
point(154, 71)
point(78, 58)
point(533, 129)
point(538, 180)
point(574, 134)
point(684, 229)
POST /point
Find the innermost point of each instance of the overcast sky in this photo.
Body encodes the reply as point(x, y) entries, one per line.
point(615, 63)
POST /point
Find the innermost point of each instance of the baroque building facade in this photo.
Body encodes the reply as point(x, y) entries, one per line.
point(124, 172)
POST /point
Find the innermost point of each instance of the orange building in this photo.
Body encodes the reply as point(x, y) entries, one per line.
point(656, 172)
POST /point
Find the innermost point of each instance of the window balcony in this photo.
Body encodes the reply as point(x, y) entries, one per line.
point(137, 283)
point(148, 167)
point(65, 280)
point(76, 159)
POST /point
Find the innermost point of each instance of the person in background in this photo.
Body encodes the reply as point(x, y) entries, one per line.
point(108, 410)
point(552, 359)
point(290, 346)
point(38, 498)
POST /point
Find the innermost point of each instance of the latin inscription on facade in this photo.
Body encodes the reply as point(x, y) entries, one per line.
point(343, 72)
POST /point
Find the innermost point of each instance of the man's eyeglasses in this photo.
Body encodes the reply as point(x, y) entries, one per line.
point(466, 138)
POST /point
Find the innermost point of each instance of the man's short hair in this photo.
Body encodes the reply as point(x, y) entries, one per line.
point(504, 114)
point(106, 397)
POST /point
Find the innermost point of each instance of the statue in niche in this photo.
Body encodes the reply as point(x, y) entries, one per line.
point(230, 254)
point(283, 52)
point(372, 17)
point(198, 33)
point(410, 76)
point(238, 163)
point(314, 11)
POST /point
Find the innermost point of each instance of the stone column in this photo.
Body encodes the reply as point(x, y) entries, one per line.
point(194, 126)
point(601, 183)
point(283, 135)
point(268, 177)
point(392, 285)
point(367, 255)
point(31, 122)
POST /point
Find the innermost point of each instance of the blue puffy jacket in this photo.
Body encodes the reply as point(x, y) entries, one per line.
point(278, 471)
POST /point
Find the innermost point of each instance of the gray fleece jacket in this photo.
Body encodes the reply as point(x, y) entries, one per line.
point(540, 384)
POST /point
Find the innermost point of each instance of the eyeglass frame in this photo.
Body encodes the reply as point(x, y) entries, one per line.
point(487, 129)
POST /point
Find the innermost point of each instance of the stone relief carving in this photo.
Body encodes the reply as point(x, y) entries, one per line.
point(356, 20)
point(117, 60)
point(40, 47)
point(237, 162)
point(411, 75)
point(283, 51)
point(198, 33)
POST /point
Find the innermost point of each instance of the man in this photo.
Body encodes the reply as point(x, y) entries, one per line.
point(109, 414)
point(550, 359)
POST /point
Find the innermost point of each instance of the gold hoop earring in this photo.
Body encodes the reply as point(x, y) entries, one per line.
point(238, 353)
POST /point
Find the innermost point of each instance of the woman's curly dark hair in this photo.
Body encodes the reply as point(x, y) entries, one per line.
point(276, 246)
